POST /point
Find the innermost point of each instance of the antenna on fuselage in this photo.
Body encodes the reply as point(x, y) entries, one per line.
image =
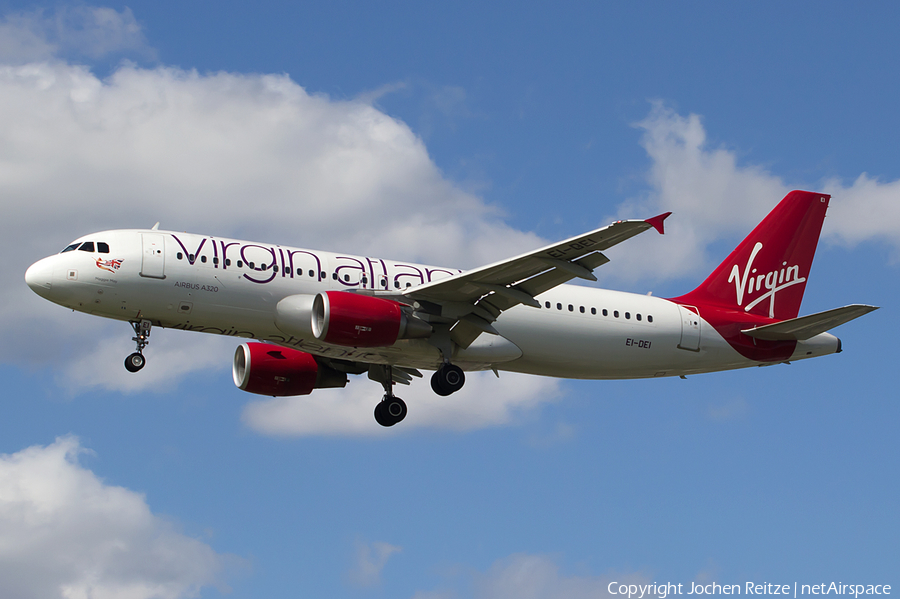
point(155, 227)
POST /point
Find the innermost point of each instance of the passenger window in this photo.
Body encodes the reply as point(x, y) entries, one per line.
point(87, 246)
point(227, 261)
point(594, 311)
point(605, 312)
point(628, 316)
point(179, 255)
point(571, 308)
point(559, 306)
point(346, 278)
point(616, 313)
point(263, 267)
point(638, 316)
point(581, 309)
point(312, 273)
point(396, 284)
point(251, 265)
point(275, 268)
point(546, 304)
point(364, 280)
point(191, 257)
point(102, 247)
point(203, 259)
point(334, 276)
point(69, 248)
point(649, 318)
point(240, 263)
point(322, 275)
point(215, 260)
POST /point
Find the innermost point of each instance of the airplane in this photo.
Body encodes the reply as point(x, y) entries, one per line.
point(315, 317)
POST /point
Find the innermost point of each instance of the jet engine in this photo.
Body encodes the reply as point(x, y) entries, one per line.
point(355, 320)
point(293, 315)
point(268, 369)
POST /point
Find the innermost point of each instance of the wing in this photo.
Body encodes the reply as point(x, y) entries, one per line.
point(472, 300)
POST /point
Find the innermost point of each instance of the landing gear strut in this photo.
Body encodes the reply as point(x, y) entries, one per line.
point(391, 409)
point(136, 361)
point(447, 379)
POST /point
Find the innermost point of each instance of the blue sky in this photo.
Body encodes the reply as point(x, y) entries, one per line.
point(454, 135)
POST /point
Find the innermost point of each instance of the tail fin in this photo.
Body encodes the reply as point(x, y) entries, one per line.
point(766, 274)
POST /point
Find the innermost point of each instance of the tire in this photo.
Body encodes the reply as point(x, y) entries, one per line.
point(436, 385)
point(381, 416)
point(134, 362)
point(395, 409)
point(448, 379)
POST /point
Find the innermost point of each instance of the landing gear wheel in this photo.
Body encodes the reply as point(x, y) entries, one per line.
point(380, 416)
point(436, 385)
point(395, 408)
point(390, 411)
point(134, 362)
point(448, 379)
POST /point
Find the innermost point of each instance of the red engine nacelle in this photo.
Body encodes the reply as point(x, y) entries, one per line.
point(269, 369)
point(355, 320)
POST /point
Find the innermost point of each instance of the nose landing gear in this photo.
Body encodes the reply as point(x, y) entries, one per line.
point(136, 361)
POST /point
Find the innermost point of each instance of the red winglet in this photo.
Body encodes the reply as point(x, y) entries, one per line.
point(657, 222)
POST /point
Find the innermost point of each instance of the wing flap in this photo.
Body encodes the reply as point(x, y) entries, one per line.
point(576, 257)
point(805, 327)
point(470, 301)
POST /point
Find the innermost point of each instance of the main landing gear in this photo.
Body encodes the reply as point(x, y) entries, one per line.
point(391, 409)
point(136, 361)
point(448, 379)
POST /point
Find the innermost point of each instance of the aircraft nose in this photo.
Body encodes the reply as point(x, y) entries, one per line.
point(39, 277)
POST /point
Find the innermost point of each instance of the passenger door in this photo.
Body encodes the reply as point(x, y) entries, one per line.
point(153, 261)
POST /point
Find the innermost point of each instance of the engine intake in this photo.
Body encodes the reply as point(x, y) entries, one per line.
point(355, 320)
point(267, 369)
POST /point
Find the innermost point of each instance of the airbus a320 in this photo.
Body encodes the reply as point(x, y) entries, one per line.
point(315, 317)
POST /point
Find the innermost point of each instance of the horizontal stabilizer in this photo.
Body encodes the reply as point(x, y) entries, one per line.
point(805, 327)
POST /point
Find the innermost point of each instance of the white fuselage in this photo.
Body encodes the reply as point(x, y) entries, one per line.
point(229, 287)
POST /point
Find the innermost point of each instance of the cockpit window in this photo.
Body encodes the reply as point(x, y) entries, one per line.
point(87, 246)
point(102, 247)
point(69, 248)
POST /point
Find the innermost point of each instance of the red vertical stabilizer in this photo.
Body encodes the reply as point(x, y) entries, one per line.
point(766, 274)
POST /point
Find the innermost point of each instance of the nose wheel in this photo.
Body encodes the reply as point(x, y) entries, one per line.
point(136, 361)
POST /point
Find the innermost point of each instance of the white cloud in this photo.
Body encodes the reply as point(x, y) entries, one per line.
point(529, 576)
point(65, 533)
point(87, 31)
point(722, 410)
point(710, 195)
point(371, 558)
point(174, 354)
point(868, 209)
point(484, 401)
point(714, 197)
point(252, 156)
